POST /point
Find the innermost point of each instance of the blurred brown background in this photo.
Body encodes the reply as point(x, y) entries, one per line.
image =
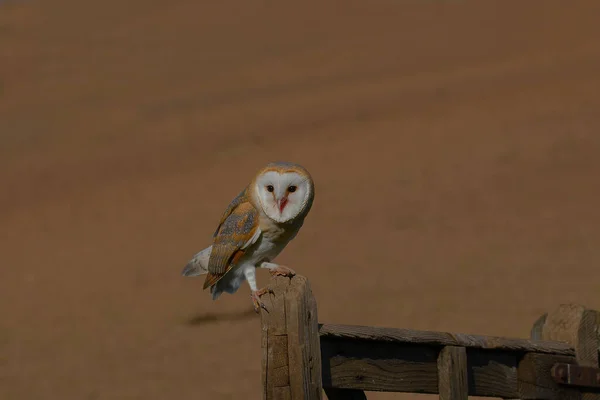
point(454, 146)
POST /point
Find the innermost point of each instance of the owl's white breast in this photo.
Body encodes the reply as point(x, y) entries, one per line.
point(265, 249)
point(273, 239)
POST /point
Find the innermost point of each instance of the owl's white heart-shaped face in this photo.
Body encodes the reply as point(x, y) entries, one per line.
point(283, 195)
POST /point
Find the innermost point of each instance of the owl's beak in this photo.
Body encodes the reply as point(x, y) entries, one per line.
point(281, 203)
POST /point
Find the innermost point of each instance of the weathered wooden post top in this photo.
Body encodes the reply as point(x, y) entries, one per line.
point(302, 359)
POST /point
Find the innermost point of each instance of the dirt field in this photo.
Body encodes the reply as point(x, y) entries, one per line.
point(455, 148)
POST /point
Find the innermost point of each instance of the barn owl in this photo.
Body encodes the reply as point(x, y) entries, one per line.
point(255, 228)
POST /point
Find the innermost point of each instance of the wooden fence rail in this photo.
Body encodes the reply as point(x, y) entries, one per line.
point(302, 358)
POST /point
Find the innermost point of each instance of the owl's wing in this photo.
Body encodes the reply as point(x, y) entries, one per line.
point(239, 229)
point(239, 199)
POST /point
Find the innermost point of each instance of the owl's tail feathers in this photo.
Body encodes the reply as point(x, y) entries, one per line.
point(191, 269)
point(198, 265)
point(215, 293)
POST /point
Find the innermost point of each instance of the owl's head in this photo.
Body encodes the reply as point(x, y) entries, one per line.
point(284, 191)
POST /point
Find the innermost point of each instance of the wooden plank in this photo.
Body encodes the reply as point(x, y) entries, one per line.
point(408, 336)
point(388, 367)
point(535, 381)
point(452, 373)
point(304, 348)
point(345, 394)
point(410, 368)
point(492, 373)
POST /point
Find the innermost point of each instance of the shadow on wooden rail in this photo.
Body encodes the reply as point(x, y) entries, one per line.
point(302, 358)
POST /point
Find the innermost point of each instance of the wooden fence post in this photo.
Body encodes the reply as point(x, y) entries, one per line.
point(575, 325)
point(291, 359)
point(452, 373)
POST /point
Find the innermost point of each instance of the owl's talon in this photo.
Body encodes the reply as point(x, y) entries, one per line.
point(255, 296)
point(263, 291)
point(282, 270)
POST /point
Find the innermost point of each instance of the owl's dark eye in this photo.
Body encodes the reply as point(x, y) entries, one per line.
point(270, 188)
point(292, 189)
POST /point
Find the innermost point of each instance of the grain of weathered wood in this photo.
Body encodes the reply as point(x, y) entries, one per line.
point(290, 339)
point(535, 381)
point(275, 360)
point(577, 326)
point(408, 336)
point(395, 367)
point(534, 377)
point(278, 360)
point(282, 393)
point(303, 341)
point(452, 373)
point(345, 394)
point(390, 367)
point(492, 373)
